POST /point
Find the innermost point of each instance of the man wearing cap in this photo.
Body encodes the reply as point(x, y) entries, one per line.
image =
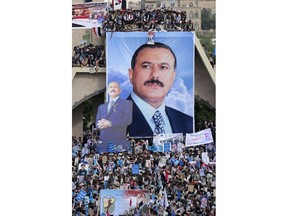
point(152, 74)
point(113, 118)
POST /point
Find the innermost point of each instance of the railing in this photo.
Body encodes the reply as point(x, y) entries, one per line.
point(91, 70)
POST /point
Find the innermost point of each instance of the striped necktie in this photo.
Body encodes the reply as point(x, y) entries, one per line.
point(159, 124)
point(110, 106)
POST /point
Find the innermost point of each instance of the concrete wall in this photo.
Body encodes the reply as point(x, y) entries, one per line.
point(96, 101)
point(77, 114)
point(205, 76)
point(97, 40)
point(77, 121)
point(77, 36)
point(204, 86)
point(87, 85)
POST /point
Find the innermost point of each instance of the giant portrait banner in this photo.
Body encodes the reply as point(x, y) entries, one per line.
point(88, 14)
point(122, 202)
point(120, 47)
point(199, 138)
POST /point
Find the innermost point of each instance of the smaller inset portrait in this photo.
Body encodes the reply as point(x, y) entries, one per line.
point(112, 120)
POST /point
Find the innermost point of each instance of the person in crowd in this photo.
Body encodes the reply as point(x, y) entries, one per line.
point(152, 74)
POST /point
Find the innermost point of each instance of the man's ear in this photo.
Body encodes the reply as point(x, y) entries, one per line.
point(130, 70)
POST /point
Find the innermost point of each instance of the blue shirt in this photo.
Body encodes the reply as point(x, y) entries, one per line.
point(148, 112)
point(120, 162)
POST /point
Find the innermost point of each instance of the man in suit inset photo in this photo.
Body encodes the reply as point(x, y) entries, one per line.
point(152, 74)
point(112, 120)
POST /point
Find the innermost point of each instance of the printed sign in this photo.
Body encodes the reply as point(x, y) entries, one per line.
point(167, 147)
point(203, 201)
point(201, 172)
point(123, 202)
point(199, 138)
point(81, 195)
point(135, 169)
point(173, 142)
point(111, 147)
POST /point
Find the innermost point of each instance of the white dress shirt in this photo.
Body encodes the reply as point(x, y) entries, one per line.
point(114, 99)
point(148, 112)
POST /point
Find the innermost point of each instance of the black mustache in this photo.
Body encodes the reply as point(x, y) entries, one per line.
point(154, 81)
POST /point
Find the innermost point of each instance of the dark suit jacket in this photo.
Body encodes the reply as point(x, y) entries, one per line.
point(180, 122)
point(120, 118)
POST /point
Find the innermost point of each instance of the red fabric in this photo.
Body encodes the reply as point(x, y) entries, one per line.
point(81, 17)
point(204, 165)
point(166, 175)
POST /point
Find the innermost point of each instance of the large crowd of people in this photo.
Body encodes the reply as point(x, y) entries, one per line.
point(162, 19)
point(182, 176)
point(88, 55)
point(188, 182)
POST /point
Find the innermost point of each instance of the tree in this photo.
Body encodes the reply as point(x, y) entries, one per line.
point(87, 114)
point(203, 113)
point(87, 36)
point(207, 19)
point(206, 42)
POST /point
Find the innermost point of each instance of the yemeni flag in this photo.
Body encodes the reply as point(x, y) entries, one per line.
point(98, 31)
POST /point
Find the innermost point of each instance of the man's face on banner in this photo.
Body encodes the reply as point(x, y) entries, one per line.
point(114, 89)
point(153, 74)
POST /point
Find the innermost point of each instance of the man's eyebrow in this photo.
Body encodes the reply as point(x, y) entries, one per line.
point(148, 62)
point(165, 63)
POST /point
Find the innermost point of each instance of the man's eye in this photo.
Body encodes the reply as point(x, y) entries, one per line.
point(164, 67)
point(146, 66)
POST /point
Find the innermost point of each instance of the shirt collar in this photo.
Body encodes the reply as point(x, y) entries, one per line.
point(147, 110)
point(114, 99)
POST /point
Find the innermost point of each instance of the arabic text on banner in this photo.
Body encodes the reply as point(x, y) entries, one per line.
point(199, 138)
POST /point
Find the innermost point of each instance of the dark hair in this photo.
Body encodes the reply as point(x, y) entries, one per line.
point(155, 45)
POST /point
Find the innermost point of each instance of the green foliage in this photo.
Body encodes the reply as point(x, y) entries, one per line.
point(87, 114)
point(203, 113)
point(206, 42)
point(208, 20)
point(87, 36)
